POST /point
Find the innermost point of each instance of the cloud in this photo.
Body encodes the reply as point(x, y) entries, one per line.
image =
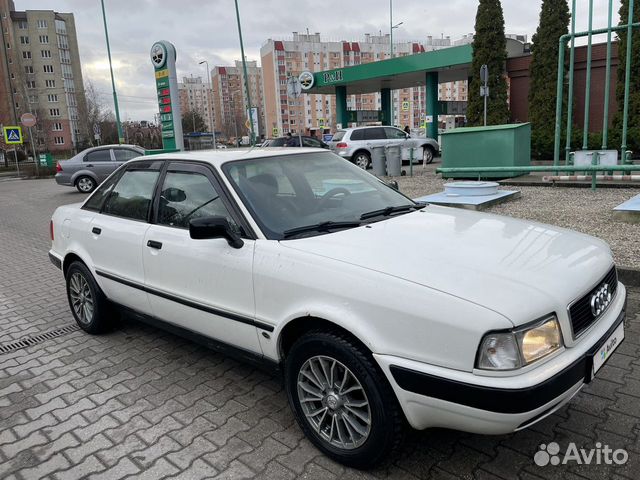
point(206, 30)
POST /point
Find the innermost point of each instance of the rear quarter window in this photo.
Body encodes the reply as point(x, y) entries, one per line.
point(338, 136)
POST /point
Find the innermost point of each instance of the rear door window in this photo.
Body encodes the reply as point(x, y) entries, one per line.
point(98, 156)
point(132, 195)
point(357, 135)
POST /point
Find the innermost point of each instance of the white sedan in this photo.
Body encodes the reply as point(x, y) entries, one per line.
point(376, 309)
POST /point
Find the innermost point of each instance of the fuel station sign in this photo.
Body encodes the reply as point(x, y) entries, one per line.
point(163, 58)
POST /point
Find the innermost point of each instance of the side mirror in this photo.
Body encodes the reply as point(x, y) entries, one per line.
point(214, 227)
point(174, 195)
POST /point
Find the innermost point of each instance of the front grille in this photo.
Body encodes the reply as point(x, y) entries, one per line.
point(580, 312)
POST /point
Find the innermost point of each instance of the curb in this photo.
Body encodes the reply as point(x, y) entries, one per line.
point(629, 276)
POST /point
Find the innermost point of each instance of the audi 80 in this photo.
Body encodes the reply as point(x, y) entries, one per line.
point(299, 260)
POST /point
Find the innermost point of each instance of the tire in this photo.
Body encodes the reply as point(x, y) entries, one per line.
point(362, 160)
point(86, 184)
point(427, 154)
point(363, 444)
point(89, 306)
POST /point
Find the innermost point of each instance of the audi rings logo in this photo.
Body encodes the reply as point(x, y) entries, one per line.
point(600, 300)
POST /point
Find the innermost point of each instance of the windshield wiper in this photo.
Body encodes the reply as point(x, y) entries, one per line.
point(320, 227)
point(385, 212)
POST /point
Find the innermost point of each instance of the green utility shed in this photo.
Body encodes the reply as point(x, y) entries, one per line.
point(492, 146)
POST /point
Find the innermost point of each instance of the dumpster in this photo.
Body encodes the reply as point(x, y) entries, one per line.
point(394, 161)
point(46, 159)
point(492, 146)
point(378, 160)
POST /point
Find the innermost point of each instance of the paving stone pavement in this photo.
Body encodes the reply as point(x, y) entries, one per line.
point(141, 403)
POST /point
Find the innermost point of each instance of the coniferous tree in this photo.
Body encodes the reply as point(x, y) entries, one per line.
point(490, 48)
point(554, 20)
point(633, 131)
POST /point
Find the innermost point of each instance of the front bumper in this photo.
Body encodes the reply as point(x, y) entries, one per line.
point(498, 404)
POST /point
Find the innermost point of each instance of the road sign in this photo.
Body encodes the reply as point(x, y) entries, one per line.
point(321, 122)
point(405, 106)
point(12, 135)
point(247, 124)
point(274, 132)
point(294, 87)
point(484, 74)
point(28, 119)
point(428, 119)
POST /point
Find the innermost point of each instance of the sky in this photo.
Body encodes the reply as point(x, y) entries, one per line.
point(207, 30)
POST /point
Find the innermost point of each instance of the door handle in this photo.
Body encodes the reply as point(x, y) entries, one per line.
point(89, 166)
point(154, 244)
point(96, 230)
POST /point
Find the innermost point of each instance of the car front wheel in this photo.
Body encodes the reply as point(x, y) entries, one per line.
point(341, 400)
point(89, 306)
point(86, 184)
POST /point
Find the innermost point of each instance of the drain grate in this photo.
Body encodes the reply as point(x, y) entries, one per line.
point(43, 337)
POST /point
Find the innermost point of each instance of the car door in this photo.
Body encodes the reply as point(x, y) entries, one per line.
point(374, 136)
point(205, 286)
point(117, 233)
point(100, 162)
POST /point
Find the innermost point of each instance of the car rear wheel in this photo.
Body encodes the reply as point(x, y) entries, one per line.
point(86, 184)
point(341, 400)
point(427, 155)
point(362, 159)
point(89, 306)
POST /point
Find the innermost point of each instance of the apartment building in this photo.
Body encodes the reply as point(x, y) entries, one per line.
point(195, 96)
point(40, 73)
point(230, 103)
point(304, 51)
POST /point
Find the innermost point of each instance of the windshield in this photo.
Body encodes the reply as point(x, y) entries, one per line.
point(289, 192)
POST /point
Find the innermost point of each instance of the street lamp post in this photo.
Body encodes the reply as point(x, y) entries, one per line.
point(391, 28)
point(213, 120)
point(113, 83)
point(246, 77)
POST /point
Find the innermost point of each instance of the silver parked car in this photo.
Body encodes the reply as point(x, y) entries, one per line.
point(355, 144)
point(89, 168)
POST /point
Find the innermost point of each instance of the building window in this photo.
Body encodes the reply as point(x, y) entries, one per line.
point(48, 68)
point(59, 140)
point(31, 84)
point(44, 39)
point(52, 97)
point(28, 69)
point(45, 53)
point(41, 23)
point(22, 25)
point(57, 127)
point(50, 83)
point(33, 99)
point(26, 55)
point(54, 112)
point(24, 40)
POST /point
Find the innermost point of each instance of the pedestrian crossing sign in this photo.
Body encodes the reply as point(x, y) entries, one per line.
point(12, 135)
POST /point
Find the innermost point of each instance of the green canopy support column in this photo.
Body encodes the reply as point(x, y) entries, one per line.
point(432, 109)
point(342, 117)
point(385, 101)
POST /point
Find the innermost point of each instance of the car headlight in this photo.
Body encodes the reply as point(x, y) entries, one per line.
point(517, 348)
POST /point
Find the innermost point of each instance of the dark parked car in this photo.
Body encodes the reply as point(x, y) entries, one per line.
point(306, 142)
point(92, 166)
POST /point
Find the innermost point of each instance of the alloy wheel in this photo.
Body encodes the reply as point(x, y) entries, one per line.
point(334, 402)
point(81, 298)
point(85, 184)
point(362, 161)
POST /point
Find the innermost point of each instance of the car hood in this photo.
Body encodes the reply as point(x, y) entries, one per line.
point(517, 268)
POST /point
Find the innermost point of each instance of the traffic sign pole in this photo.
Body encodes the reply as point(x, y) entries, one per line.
point(35, 155)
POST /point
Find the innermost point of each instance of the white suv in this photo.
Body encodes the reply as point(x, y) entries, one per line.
point(296, 259)
point(355, 144)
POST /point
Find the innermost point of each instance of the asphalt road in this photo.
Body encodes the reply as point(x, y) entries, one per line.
point(142, 403)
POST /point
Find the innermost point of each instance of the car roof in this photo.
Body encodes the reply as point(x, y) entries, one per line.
point(217, 157)
point(367, 126)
